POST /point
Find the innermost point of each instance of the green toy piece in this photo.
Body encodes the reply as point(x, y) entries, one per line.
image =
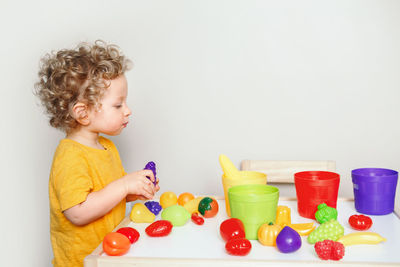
point(325, 213)
point(331, 230)
point(176, 214)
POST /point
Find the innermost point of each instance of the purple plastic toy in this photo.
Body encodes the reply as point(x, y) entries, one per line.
point(151, 166)
point(288, 240)
point(374, 190)
point(153, 206)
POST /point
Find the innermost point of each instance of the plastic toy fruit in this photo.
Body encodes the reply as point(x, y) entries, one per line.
point(267, 234)
point(283, 216)
point(329, 230)
point(325, 213)
point(151, 166)
point(141, 214)
point(197, 219)
point(168, 199)
point(159, 228)
point(232, 228)
point(184, 198)
point(193, 205)
point(329, 250)
point(303, 228)
point(288, 240)
point(361, 238)
point(131, 233)
point(154, 207)
point(238, 246)
point(208, 207)
point(116, 244)
point(360, 222)
point(176, 214)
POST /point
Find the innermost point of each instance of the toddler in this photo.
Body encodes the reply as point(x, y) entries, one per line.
point(84, 92)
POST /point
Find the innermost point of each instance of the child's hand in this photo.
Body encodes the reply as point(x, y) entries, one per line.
point(137, 183)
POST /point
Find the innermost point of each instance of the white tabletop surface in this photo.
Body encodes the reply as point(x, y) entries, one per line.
point(192, 241)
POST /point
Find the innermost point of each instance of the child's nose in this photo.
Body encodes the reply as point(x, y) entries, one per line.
point(128, 111)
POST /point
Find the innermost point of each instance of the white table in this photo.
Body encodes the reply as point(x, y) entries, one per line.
point(194, 245)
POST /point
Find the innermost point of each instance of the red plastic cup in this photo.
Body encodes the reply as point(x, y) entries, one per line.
point(314, 188)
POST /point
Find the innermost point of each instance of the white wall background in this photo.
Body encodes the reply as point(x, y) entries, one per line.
point(280, 80)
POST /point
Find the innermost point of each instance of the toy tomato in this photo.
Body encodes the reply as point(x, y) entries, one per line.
point(208, 207)
point(232, 228)
point(130, 233)
point(238, 246)
point(360, 222)
point(116, 244)
point(159, 228)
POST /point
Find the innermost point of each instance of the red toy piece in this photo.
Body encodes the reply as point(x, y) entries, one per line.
point(329, 250)
point(360, 222)
point(116, 244)
point(232, 228)
point(238, 246)
point(197, 219)
point(159, 228)
point(131, 233)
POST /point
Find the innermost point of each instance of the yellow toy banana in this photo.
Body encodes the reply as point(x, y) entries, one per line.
point(359, 238)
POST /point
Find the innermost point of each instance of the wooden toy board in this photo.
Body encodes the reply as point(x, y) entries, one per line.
point(201, 245)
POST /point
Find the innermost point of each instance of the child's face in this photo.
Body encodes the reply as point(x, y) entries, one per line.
point(113, 115)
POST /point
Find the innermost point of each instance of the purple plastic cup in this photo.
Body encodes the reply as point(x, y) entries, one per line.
point(374, 190)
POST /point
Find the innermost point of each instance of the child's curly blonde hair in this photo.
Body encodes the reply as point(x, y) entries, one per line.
point(72, 75)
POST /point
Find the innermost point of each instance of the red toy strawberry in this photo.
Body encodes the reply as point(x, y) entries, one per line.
point(323, 249)
point(337, 251)
point(329, 250)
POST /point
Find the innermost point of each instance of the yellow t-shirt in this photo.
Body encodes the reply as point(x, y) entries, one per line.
point(76, 171)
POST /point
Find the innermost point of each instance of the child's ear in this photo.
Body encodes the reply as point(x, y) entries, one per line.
point(80, 112)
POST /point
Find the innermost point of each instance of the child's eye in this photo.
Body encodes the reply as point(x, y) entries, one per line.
point(118, 106)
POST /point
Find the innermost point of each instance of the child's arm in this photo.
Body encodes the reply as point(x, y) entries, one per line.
point(99, 203)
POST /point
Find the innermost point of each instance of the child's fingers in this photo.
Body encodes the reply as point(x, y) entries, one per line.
point(156, 188)
point(148, 188)
point(148, 173)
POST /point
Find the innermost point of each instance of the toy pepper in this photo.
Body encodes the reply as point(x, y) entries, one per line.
point(283, 217)
point(325, 213)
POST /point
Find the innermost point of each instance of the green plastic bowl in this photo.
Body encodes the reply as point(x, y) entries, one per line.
point(254, 205)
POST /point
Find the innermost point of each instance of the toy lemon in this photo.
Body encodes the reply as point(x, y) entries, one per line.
point(193, 205)
point(168, 199)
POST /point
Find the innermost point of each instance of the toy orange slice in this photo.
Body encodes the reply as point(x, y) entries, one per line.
point(303, 228)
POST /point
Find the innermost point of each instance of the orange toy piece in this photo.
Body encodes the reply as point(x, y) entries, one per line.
point(283, 218)
point(116, 244)
point(184, 198)
point(267, 234)
point(303, 228)
point(168, 199)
